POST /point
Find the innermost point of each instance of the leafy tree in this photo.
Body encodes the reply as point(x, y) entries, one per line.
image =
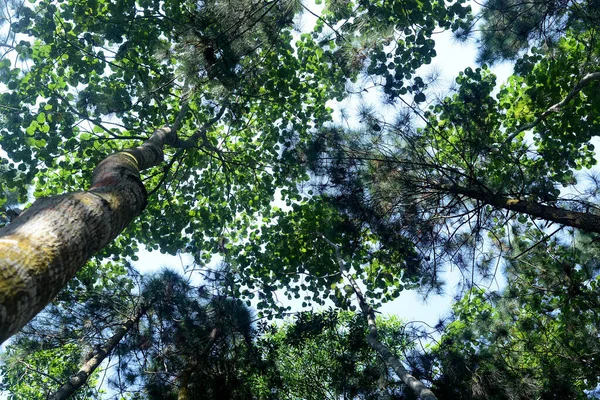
point(325, 356)
point(176, 341)
point(469, 170)
point(61, 349)
point(191, 345)
point(93, 76)
point(509, 28)
point(244, 98)
point(46, 246)
point(338, 254)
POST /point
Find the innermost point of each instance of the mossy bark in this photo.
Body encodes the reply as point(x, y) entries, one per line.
point(50, 241)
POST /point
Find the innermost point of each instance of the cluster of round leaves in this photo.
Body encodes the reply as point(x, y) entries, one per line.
point(390, 40)
point(540, 82)
point(297, 261)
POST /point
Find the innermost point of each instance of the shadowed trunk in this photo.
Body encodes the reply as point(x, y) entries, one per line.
point(50, 241)
point(184, 381)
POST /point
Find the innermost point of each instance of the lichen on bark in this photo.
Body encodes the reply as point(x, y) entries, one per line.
point(50, 241)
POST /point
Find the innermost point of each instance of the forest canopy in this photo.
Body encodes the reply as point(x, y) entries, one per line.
point(207, 129)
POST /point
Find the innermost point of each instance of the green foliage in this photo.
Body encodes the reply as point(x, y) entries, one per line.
point(325, 356)
point(435, 185)
point(53, 346)
point(533, 340)
point(388, 40)
point(32, 371)
point(92, 78)
point(401, 202)
point(510, 27)
point(309, 269)
point(187, 333)
point(563, 138)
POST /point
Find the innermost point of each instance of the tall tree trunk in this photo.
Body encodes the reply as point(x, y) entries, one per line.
point(384, 352)
point(184, 382)
point(99, 355)
point(183, 392)
point(576, 219)
point(50, 241)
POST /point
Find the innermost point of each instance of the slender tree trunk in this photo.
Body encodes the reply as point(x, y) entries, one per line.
point(390, 358)
point(184, 382)
point(50, 241)
point(418, 388)
point(81, 377)
point(576, 219)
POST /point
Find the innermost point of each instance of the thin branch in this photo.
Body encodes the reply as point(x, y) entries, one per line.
point(595, 76)
point(99, 355)
point(537, 243)
point(324, 21)
point(192, 141)
point(37, 371)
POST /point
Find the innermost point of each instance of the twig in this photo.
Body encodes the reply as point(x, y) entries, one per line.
point(29, 367)
point(537, 243)
point(192, 141)
point(324, 21)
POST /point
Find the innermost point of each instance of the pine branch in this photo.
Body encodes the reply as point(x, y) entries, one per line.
point(81, 377)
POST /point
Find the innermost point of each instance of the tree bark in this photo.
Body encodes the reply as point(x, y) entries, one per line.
point(81, 377)
point(50, 241)
point(184, 380)
point(390, 359)
point(576, 219)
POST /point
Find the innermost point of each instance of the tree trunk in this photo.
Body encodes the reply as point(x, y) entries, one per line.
point(390, 358)
point(184, 381)
point(576, 219)
point(50, 241)
point(418, 388)
point(81, 377)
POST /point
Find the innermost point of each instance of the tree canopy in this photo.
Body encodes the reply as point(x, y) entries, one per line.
point(208, 128)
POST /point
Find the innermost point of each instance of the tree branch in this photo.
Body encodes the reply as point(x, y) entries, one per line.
point(192, 141)
point(594, 76)
point(81, 377)
point(37, 371)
